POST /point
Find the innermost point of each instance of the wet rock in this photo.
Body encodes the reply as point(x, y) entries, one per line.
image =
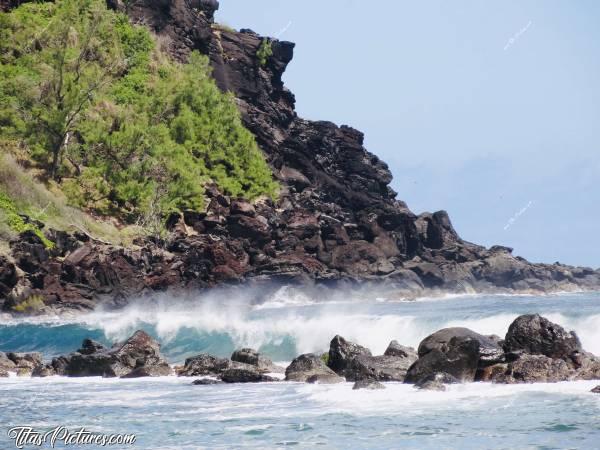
point(436, 382)
point(206, 382)
point(89, 346)
point(6, 363)
point(137, 356)
point(459, 358)
point(42, 371)
point(245, 375)
point(596, 390)
point(26, 360)
point(254, 358)
point(204, 364)
point(490, 351)
point(305, 366)
point(380, 368)
point(536, 335)
point(368, 384)
point(395, 349)
point(342, 352)
point(325, 378)
point(4, 373)
point(536, 369)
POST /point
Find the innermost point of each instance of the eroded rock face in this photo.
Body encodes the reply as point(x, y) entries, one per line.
point(306, 366)
point(342, 352)
point(336, 219)
point(536, 335)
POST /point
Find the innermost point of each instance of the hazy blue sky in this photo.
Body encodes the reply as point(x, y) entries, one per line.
point(489, 110)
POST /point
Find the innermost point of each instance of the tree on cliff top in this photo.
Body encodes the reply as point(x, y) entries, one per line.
point(122, 128)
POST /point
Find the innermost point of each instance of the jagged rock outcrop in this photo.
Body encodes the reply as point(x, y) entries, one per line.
point(138, 356)
point(336, 218)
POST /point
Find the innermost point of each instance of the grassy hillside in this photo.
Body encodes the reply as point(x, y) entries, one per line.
point(102, 118)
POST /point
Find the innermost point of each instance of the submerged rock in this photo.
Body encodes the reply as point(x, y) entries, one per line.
point(306, 366)
point(325, 378)
point(206, 382)
point(436, 382)
point(248, 374)
point(368, 384)
point(596, 390)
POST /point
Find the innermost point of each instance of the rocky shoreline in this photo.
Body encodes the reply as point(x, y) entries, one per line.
point(336, 220)
point(534, 350)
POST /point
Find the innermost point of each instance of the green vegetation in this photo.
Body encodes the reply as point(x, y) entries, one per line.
point(102, 114)
point(18, 223)
point(325, 357)
point(33, 303)
point(264, 52)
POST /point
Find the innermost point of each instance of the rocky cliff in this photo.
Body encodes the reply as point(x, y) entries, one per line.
point(337, 219)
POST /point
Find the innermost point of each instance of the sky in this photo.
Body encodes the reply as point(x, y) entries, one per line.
point(488, 110)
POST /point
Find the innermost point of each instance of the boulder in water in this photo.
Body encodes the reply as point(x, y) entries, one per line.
point(249, 374)
point(138, 356)
point(380, 368)
point(596, 390)
point(254, 358)
point(436, 382)
point(305, 366)
point(535, 335)
point(458, 357)
point(204, 364)
point(325, 378)
point(206, 382)
point(342, 352)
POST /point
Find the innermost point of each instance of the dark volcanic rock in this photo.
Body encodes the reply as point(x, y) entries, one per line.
point(138, 356)
point(254, 358)
point(342, 352)
point(204, 364)
point(490, 351)
point(206, 382)
point(395, 349)
point(306, 366)
point(436, 382)
point(325, 378)
point(367, 384)
point(459, 358)
point(380, 368)
point(336, 218)
point(42, 371)
point(249, 374)
point(596, 390)
point(25, 360)
point(6, 363)
point(536, 335)
point(536, 369)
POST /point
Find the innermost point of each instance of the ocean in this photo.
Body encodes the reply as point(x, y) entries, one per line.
point(171, 413)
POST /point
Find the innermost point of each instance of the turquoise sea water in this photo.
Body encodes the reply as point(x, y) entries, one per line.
point(170, 413)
